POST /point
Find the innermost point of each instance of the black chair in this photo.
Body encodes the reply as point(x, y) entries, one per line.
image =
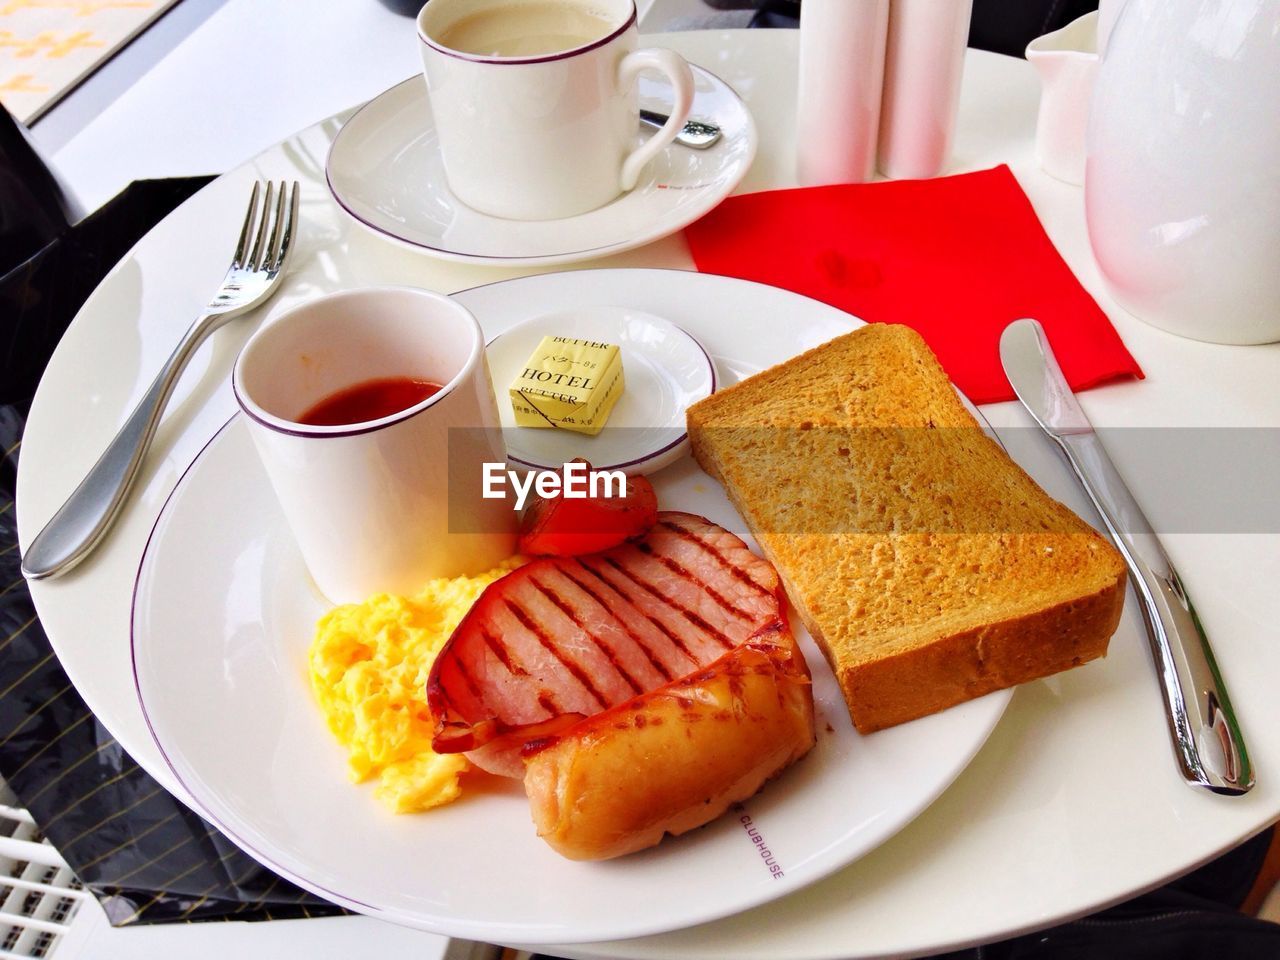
point(1002, 26)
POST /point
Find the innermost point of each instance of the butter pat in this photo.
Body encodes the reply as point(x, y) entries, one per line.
point(568, 383)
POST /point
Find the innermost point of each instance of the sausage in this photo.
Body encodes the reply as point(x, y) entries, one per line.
point(675, 758)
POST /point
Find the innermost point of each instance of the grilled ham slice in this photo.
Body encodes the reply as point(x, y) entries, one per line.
point(566, 638)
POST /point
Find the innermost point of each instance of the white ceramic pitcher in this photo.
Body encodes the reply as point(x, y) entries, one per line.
point(1067, 62)
point(1182, 177)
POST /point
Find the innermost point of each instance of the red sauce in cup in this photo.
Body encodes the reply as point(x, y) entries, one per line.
point(370, 400)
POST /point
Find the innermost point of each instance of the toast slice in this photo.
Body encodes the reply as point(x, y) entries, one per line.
point(926, 564)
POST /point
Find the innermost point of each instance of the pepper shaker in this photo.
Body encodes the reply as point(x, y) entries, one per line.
point(924, 59)
point(841, 77)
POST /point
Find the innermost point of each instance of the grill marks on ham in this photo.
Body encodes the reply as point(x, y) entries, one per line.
point(564, 638)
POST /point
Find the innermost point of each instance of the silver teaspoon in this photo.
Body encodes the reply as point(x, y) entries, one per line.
point(698, 134)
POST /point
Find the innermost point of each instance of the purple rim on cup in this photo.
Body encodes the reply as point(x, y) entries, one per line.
point(294, 429)
point(540, 58)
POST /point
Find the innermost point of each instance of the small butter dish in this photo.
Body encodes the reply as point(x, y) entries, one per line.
point(666, 371)
point(570, 383)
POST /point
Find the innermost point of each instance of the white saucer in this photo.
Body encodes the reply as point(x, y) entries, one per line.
point(384, 169)
point(664, 369)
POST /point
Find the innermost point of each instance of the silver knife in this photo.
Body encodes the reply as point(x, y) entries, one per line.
point(1206, 737)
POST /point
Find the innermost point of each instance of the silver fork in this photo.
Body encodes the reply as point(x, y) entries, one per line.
point(254, 275)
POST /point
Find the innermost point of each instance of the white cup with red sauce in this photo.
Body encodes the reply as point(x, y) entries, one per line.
point(374, 414)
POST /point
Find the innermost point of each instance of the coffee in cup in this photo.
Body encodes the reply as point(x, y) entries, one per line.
point(526, 29)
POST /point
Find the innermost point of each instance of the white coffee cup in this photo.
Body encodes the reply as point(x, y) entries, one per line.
point(546, 135)
point(384, 505)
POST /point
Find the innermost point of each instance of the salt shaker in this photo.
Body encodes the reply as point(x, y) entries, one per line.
point(841, 77)
point(924, 57)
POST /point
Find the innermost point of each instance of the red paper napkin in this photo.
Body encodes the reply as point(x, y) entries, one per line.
point(957, 258)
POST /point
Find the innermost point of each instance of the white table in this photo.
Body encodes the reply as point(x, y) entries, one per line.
point(1074, 801)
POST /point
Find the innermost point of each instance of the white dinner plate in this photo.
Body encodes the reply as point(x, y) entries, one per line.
point(664, 369)
point(384, 169)
point(224, 611)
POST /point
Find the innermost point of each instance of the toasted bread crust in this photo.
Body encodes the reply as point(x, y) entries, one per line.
point(1036, 593)
point(975, 662)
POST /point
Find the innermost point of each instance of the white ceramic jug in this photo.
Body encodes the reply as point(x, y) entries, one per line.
point(1182, 177)
point(1067, 61)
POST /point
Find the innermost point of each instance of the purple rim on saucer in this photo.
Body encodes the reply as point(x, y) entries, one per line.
point(466, 256)
point(650, 455)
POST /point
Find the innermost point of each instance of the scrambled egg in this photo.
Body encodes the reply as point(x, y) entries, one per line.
point(369, 666)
